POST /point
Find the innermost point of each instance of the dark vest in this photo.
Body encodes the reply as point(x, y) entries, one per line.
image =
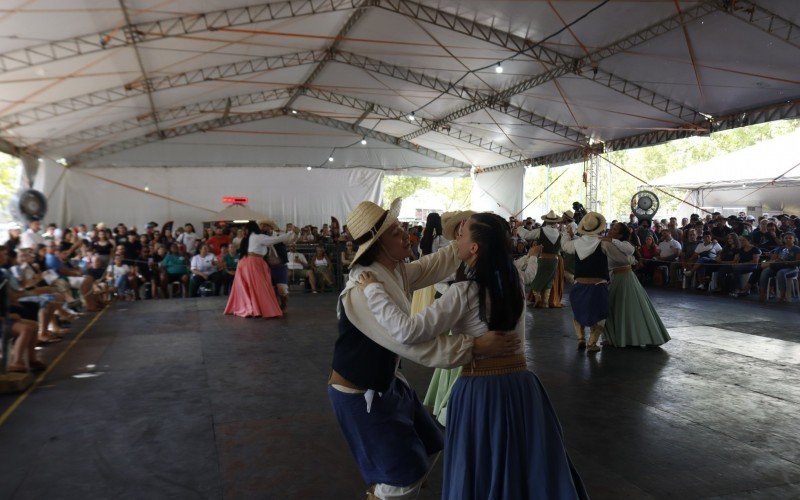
point(548, 247)
point(593, 266)
point(360, 360)
point(280, 249)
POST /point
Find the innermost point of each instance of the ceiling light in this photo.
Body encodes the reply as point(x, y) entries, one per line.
point(147, 188)
point(330, 158)
point(294, 111)
point(364, 141)
point(308, 168)
point(241, 221)
point(498, 68)
point(412, 117)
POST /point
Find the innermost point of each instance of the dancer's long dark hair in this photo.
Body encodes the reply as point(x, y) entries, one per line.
point(494, 272)
point(250, 228)
point(433, 228)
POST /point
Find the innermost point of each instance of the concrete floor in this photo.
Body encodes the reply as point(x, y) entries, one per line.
point(171, 399)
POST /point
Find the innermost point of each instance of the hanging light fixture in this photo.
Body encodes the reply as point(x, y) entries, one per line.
point(498, 68)
point(364, 141)
point(330, 158)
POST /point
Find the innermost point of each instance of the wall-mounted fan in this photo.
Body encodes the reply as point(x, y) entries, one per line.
point(28, 205)
point(644, 205)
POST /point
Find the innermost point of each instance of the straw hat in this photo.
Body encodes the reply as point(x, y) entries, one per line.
point(368, 221)
point(551, 217)
point(451, 220)
point(592, 223)
point(568, 216)
point(270, 223)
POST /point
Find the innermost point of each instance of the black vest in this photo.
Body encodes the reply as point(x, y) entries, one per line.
point(280, 249)
point(360, 360)
point(593, 266)
point(548, 247)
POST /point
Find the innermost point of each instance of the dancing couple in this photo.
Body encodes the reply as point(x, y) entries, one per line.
point(503, 437)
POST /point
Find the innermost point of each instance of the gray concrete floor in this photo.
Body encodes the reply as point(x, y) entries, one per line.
point(183, 402)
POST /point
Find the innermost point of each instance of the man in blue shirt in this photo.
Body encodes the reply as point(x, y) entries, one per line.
point(782, 265)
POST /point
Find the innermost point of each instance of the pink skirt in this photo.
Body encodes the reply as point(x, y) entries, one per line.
point(252, 293)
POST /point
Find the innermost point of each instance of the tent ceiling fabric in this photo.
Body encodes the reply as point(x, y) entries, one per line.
point(216, 82)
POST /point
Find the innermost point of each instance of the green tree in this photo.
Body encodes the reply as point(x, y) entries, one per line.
point(9, 182)
point(399, 186)
point(457, 192)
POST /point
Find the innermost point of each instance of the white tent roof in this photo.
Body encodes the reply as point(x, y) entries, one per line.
point(182, 82)
point(776, 161)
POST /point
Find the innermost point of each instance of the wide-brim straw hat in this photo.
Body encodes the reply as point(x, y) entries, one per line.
point(451, 221)
point(551, 217)
point(368, 221)
point(269, 223)
point(592, 223)
point(568, 216)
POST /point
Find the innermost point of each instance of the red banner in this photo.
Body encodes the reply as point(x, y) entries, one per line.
point(241, 200)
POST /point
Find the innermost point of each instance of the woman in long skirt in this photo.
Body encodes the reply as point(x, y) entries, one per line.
point(632, 319)
point(252, 293)
point(503, 438)
point(443, 379)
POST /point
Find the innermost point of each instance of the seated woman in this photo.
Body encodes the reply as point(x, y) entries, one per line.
point(347, 256)
point(205, 267)
point(323, 269)
point(174, 267)
point(118, 278)
point(746, 262)
point(726, 258)
point(647, 264)
point(499, 414)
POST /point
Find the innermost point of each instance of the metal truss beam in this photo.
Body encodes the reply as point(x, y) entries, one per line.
point(10, 148)
point(561, 64)
point(166, 28)
point(170, 133)
point(783, 110)
point(103, 97)
point(163, 115)
point(348, 25)
point(393, 114)
point(483, 98)
point(763, 19)
point(238, 119)
point(380, 136)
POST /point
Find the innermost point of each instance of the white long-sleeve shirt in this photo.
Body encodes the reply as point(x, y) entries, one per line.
point(259, 243)
point(528, 266)
point(457, 311)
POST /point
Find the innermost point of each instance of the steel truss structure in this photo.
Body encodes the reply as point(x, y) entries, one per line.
point(556, 64)
point(238, 119)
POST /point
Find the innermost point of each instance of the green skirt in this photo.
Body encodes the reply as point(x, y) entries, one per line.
point(439, 391)
point(544, 275)
point(632, 319)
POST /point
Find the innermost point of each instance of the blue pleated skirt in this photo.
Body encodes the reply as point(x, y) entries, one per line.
point(589, 303)
point(504, 441)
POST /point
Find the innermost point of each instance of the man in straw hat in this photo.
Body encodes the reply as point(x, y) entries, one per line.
point(392, 437)
point(549, 237)
point(589, 294)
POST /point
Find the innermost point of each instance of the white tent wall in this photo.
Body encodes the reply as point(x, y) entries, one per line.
point(500, 192)
point(194, 194)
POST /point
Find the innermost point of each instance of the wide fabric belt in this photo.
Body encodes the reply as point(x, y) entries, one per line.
point(621, 270)
point(548, 256)
point(495, 366)
point(336, 379)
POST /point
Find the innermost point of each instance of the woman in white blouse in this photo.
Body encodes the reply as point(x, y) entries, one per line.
point(503, 438)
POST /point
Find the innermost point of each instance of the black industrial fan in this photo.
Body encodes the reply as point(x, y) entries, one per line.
point(28, 205)
point(644, 205)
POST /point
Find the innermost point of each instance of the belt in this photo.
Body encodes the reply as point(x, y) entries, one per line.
point(590, 281)
point(548, 256)
point(253, 254)
point(621, 270)
point(337, 379)
point(495, 366)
